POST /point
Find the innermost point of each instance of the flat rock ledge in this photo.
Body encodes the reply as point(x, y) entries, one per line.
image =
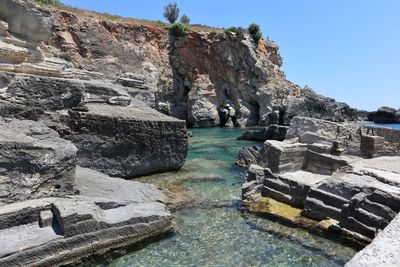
point(109, 213)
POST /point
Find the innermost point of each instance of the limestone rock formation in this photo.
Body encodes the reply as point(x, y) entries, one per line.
point(248, 155)
point(35, 162)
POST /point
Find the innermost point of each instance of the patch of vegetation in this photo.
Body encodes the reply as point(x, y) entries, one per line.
point(178, 29)
point(66, 57)
point(159, 22)
point(185, 20)
point(171, 12)
point(110, 16)
point(231, 29)
point(48, 2)
point(254, 30)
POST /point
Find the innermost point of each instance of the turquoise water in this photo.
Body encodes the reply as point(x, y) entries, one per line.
point(213, 231)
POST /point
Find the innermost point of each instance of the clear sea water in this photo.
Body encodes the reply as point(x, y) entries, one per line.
point(214, 232)
point(385, 125)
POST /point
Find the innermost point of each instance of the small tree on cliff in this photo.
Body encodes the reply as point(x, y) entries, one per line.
point(171, 12)
point(254, 30)
point(185, 20)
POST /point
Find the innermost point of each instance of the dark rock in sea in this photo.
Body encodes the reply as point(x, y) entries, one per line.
point(385, 115)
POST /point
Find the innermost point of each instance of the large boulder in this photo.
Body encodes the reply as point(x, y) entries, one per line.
point(34, 162)
point(128, 141)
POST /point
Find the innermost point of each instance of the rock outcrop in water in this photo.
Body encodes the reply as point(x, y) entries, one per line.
point(385, 115)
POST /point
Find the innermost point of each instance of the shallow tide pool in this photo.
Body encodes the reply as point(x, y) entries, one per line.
point(214, 232)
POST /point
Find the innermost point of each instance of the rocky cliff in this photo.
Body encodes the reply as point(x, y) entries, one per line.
point(192, 77)
point(114, 131)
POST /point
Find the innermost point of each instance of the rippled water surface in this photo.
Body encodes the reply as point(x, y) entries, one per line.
point(214, 232)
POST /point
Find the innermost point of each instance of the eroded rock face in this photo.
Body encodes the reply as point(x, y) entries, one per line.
point(34, 162)
point(322, 169)
point(24, 19)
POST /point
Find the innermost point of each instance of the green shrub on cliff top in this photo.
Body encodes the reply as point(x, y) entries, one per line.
point(178, 29)
point(254, 30)
point(48, 2)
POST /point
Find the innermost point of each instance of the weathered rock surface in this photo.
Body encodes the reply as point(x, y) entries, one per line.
point(282, 156)
point(34, 162)
point(383, 251)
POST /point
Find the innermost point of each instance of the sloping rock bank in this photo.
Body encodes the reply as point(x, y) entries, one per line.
point(344, 177)
point(53, 212)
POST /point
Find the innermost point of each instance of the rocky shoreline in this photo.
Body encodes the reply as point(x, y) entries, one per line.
point(343, 178)
point(72, 132)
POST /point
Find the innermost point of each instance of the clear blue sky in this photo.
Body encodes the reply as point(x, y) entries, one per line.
point(345, 49)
